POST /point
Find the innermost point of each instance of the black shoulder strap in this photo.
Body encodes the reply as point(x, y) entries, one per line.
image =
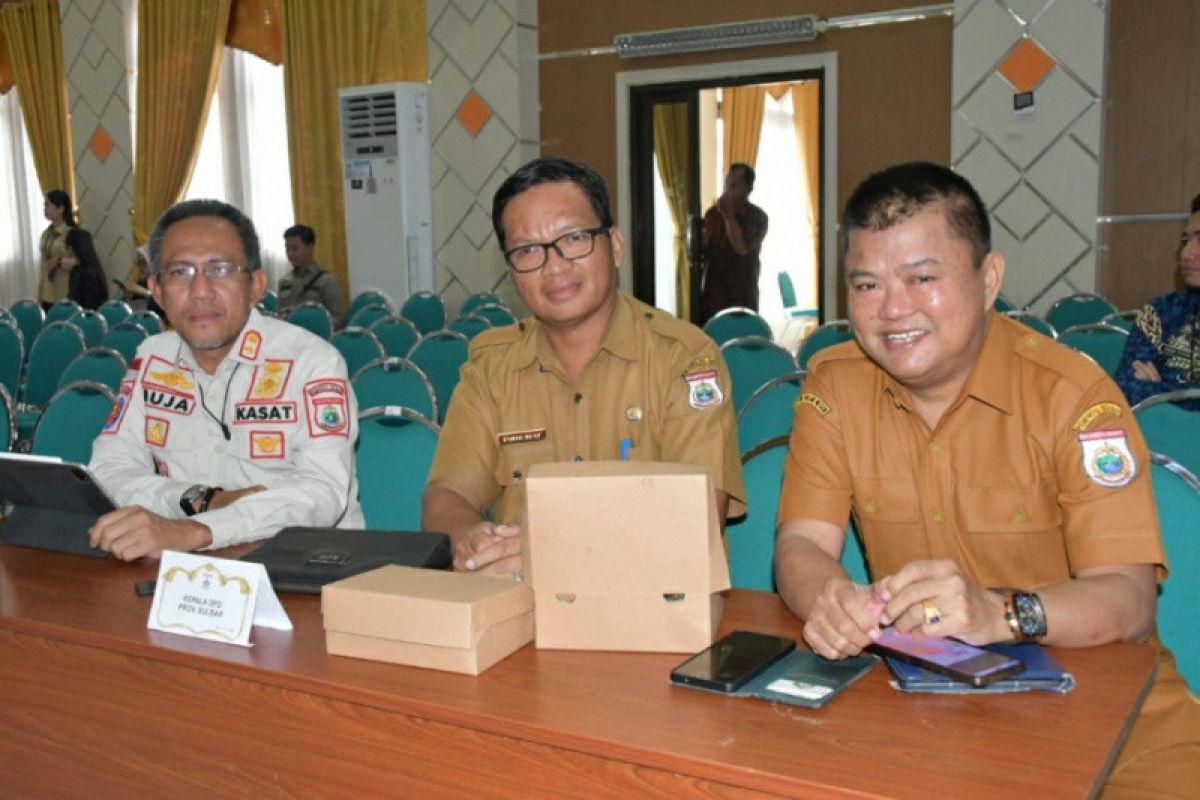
point(312, 281)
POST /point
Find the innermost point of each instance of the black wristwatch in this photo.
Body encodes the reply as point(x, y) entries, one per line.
point(204, 494)
point(1025, 616)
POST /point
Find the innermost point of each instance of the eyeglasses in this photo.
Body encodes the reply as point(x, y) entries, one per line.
point(182, 273)
point(570, 246)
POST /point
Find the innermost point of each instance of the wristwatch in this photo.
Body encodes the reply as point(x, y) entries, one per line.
point(1025, 615)
point(204, 494)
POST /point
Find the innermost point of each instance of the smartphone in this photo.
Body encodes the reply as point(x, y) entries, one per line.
point(732, 661)
point(949, 657)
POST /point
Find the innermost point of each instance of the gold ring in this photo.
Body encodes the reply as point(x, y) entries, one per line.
point(933, 614)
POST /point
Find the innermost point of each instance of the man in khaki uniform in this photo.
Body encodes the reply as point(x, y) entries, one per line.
point(999, 480)
point(594, 374)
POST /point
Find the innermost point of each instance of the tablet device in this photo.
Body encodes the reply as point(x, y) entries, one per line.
point(50, 503)
point(302, 560)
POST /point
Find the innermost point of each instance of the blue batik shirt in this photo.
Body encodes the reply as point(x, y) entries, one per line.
point(1167, 335)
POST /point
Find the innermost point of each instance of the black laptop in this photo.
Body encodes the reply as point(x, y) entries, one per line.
point(50, 504)
point(302, 560)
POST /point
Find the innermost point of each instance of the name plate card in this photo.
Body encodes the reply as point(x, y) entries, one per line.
point(214, 598)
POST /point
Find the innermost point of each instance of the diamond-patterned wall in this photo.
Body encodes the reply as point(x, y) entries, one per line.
point(93, 34)
point(484, 114)
point(1037, 170)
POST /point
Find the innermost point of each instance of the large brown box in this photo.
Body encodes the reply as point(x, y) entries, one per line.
point(427, 618)
point(623, 555)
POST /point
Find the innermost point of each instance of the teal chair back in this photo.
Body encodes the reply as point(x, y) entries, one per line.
point(62, 311)
point(269, 302)
point(93, 326)
point(497, 314)
point(1179, 596)
point(831, 333)
point(367, 297)
point(478, 299)
point(1078, 309)
point(30, 318)
point(395, 382)
point(787, 293)
point(1035, 322)
point(396, 334)
point(440, 355)
point(752, 361)
point(149, 320)
point(72, 420)
point(736, 323)
point(8, 422)
point(769, 411)
point(358, 347)
point(426, 311)
point(392, 456)
point(1002, 304)
point(55, 348)
point(469, 325)
point(1122, 319)
point(103, 365)
point(125, 337)
point(115, 311)
point(313, 317)
point(368, 315)
point(1170, 429)
point(1102, 342)
point(12, 356)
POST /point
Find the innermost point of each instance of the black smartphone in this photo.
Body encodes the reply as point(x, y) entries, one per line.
point(949, 657)
point(732, 661)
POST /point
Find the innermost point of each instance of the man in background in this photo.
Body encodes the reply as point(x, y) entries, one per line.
point(734, 229)
point(308, 282)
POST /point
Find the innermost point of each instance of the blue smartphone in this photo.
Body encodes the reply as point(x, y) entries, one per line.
point(949, 657)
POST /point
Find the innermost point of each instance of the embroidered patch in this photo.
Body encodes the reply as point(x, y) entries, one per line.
point(156, 431)
point(1106, 457)
point(166, 400)
point(266, 444)
point(810, 399)
point(633, 414)
point(326, 404)
point(278, 413)
point(160, 372)
point(270, 380)
point(251, 342)
point(1093, 413)
point(134, 367)
point(700, 362)
point(117, 415)
point(703, 389)
point(521, 437)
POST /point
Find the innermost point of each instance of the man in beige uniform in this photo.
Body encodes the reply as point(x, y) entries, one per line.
point(594, 373)
point(999, 481)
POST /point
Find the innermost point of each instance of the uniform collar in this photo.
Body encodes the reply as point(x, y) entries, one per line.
point(619, 340)
point(247, 347)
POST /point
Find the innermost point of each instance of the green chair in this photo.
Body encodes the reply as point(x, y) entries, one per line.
point(313, 317)
point(497, 314)
point(366, 316)
point(769, 411)
point(125, 337)
point(358, 347)
point(56, 346)
point(149, 320)
point(737, 323)
point(103, 365)
point(1035, 322)
point(269, 302)
point(396, 334)
point(395, 382)
point(831, 333)
point(8, 421)
point(367, 297)
point(1078, 309)
point(1170, 429)
point(469, 325)
point(1100, 341)
point(72, 420)
point(752, 361)
point(1003, 304)
point(787, 293)
point(62, 311)
point(1179, 596)
point(115, 311)
point(30, 318)
point(478, 299)
point(12, 356)
point(392, 457)
point(1123, 319)
point(92, 324)
point(426, 311)
point(440, 355)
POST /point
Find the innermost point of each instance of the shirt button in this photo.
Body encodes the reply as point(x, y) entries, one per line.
point(939, 517)
point(579, 458)
point(217, 449)
point(1020, 516)
point(935, 448)
point(578, 397)
point(870, 507)
point(1031, 344)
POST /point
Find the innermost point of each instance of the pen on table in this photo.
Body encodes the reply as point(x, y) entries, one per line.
point(626, 446)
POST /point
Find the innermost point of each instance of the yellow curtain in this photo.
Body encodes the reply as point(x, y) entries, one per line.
point(34, 37)
point(6, 74)
point(671, 153)
point(806, 119)
point(256, 26)
point(742, 119)
point(179, 51)
point(327, 46)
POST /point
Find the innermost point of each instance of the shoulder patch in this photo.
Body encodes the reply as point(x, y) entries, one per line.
point(251, 342)
point(810, 399)
point(700, 363)
point(1106, 457)
point(703, 389)
point(1093, 413)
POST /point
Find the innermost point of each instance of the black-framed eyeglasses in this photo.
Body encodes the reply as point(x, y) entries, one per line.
point(571, 246)
point(182, 273)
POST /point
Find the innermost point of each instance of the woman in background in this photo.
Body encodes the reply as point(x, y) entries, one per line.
point(56, 265)
point(136, 285)
point(88, 283)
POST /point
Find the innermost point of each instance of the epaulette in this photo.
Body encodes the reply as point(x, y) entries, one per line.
point(842, 351)
point(1058, 358)
point(663, 324)
point(495, 337)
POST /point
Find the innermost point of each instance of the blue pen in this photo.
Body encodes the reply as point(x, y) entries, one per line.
point(626, 445)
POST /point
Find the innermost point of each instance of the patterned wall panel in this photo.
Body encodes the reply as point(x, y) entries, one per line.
point(1038, 170)
point(483, 110)
point(93, 34)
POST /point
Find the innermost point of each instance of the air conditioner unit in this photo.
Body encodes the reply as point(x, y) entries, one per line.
point(386, 183)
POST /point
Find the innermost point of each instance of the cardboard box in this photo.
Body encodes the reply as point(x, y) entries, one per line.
point(623, 555)
point(427, 618)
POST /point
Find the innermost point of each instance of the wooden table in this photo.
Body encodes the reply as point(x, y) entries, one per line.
point(94, 705)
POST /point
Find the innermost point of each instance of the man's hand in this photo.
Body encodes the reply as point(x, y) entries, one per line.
point(725, 205)
point(489, 549)
point(843, 619)
point(229, 497)
point(964, 609)
point(133, 532)
point(1146, 371)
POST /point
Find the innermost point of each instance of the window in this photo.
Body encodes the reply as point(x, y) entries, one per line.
point(21, 220)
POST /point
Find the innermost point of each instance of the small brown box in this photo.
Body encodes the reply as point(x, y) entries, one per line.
point(427, 618)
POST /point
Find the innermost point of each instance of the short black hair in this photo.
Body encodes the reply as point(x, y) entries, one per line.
point(897, 193)
point(205, 208)
point(552, 170)
point(1196, 204)
point(59, 198)
point(301, 232)
point(748, 173)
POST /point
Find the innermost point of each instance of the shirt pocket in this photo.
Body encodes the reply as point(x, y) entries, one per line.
point(1012, 509)
point(886, 500)
point(512, 466)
